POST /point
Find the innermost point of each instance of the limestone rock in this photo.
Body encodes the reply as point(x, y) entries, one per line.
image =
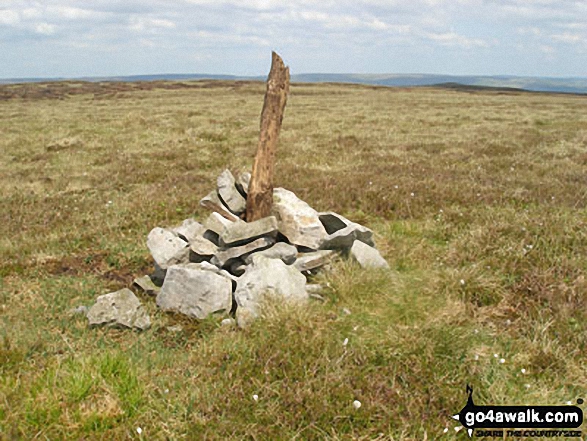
point(242, 183)
point(366, 256)
point(343, 232)
point(281, 250)
point(202, 249)
point(189, 229)
point(195, 292)
point(297, 220)
point(146, 285)
point(166, 248)
point(266, 277)
point(120, 308)
point(229, 194)
point(222, 258)
point(213, 203)
point(239, 233)
point(315, 259)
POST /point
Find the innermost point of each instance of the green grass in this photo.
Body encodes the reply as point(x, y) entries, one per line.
point(477, 200)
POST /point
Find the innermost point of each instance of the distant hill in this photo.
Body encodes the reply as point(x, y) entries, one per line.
point(539, 84)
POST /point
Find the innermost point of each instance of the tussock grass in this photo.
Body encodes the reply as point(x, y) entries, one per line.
point(477, 200)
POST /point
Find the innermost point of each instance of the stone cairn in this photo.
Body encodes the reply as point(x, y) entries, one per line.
point(227, 266)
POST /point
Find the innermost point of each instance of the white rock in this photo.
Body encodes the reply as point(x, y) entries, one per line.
point(366, 256)
point(297, 220)
point(146, 285)
point(194, 292)
point(267, 277)
point(213, 203)
point(189, 229)
point(343, 232)
point(239, 233)
point(314, 259)
point(202, 249)
point(223, 257)
point(166, 248)
point(120, 308)
point(229, 194)
point(281, 250)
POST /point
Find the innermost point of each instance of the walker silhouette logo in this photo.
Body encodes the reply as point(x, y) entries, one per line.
point(474, 417)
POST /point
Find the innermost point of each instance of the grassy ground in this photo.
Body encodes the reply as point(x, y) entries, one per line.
point(478, 201)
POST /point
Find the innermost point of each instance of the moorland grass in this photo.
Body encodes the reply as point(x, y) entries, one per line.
point(478, 202)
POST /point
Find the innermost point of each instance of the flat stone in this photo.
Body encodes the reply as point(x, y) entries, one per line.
point(195, 292)
point(189, 229)
point(239, 233)
point(121, 308)
point(217, 223)
point(242, 183)
point(267, 277)
point(213, 203)
point(146, 285)
point(281, 250)
point(343, 232)
point(366, 256)
point(315, 259)
point(229, 194)
point(224, 256)
point(202, 249)
point(166, 248)
point(297, 220)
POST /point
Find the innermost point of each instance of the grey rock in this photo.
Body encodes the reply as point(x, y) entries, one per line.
point(315, 259)
point(239, 233)
point(229, 194)
point(343, 238)
point(194, 292)
point(202, 249)
point(146, 285)
point(175, 328)
point(189, 230)
point(267, 277)
point(366, 256)
point(121, 308)
point(242, 183)
point(297, 220)
point(281, 250)
point(223, 257)
point(217, 223)
point(166, 248)
point(213, 203)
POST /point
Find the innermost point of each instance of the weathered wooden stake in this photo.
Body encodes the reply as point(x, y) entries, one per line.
point(260, 195)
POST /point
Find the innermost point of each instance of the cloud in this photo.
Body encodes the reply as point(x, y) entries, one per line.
point(454, 39)
point(330, 35)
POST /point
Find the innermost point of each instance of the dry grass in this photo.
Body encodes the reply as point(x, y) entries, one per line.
point(478, 201)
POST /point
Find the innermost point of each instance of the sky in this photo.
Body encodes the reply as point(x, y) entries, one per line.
point(68, 38)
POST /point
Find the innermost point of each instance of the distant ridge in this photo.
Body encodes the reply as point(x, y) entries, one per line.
point(512, 83)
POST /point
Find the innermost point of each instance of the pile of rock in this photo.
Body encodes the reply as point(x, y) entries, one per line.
point(228, 266)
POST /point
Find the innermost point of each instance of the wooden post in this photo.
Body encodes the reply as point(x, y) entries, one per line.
point(260, 194)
